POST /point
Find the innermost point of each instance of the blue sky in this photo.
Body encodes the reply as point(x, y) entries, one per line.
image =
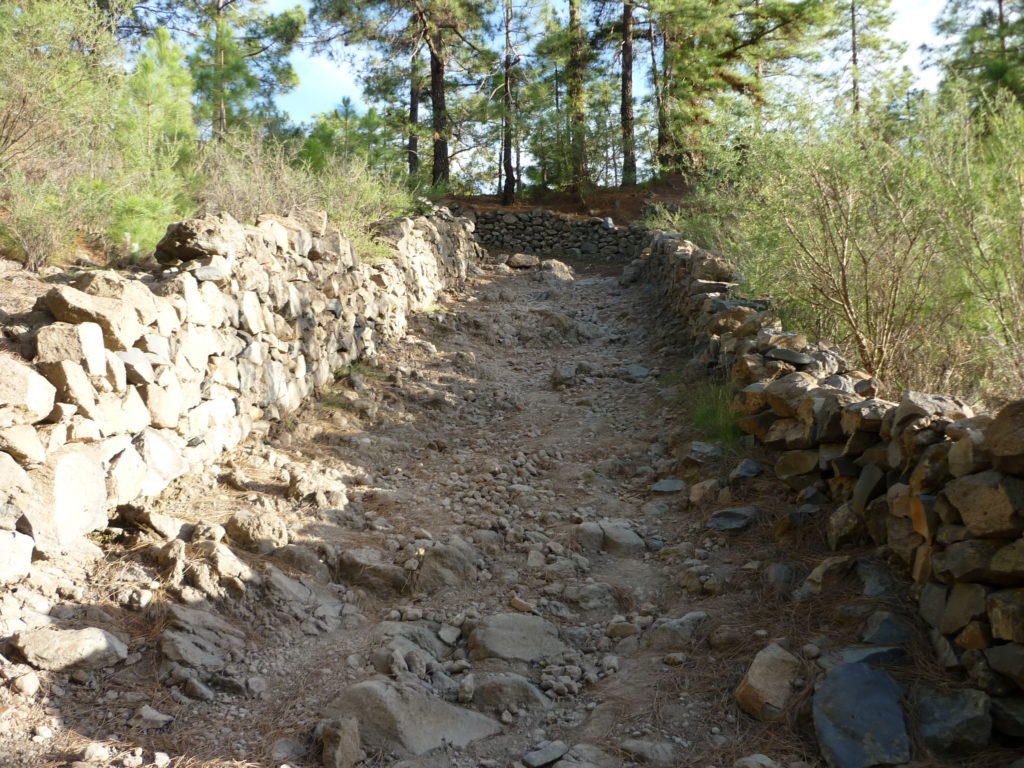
point(323, 82)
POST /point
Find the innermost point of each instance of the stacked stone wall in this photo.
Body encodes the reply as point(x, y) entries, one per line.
point(119, 383)
point(939, 486)
point(546, 233)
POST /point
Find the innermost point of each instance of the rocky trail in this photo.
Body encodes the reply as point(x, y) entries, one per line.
point(501, 543)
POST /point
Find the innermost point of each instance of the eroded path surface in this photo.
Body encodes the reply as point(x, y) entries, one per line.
point(481, 549)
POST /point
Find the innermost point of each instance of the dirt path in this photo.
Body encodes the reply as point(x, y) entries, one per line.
point(499, 462)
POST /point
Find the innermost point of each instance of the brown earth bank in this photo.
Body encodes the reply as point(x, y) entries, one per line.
point(500, 543)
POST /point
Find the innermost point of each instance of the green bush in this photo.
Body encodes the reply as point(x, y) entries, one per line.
point(896, 235)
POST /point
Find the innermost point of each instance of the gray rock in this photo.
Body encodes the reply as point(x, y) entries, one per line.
point(789, 356)
point(675, 634)
point(501, 691)
point(523, 260)
point(365, 567)
point(396, 717)
point(598, 596)
point(885, 628)
point(262, 533)
point(200, 640)
point(699, 453)
point(634, 373)
point(669, 485)
point(514, 637)
point(767, 686)
point(858, 719)
point(146, 718)
point(15, 556)
point(661, 753)
point(736, 519)
point(342, 746)
point(545, 755)
point(447, 565)
point(747, 469)
point(563, 375)
point(70, 499)
point(619, 540)
point(56, 649)
point(1008, 716)
point(954, 722)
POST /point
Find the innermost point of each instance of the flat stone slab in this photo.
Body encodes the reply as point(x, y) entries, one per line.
point(395, 716)
point(858, 719)
point(514, 637)
point(732, 519)
point(668, 485)
point(56, 649)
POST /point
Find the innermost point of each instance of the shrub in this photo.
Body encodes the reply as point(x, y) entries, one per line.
point(897, 236)
point(248, 175)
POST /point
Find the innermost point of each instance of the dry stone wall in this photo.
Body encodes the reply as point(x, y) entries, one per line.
point(546, 233)
point(938, 484)
point(128, 381)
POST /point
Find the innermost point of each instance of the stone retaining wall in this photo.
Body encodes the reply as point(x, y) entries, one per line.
point(941, 486)
point(546, 233)
point(126, 381)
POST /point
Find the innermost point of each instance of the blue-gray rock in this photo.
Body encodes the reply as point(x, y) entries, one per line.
point(858, 719)
point(668, 485)
point(699, 453)
point(634, 373)
point(954, 722)
point(875, 579)
point(732, 519)
point(885, 628)
point(1008, 716)
point(789, 356)
point(545, 755)
point(746, 470)
point(863, 654)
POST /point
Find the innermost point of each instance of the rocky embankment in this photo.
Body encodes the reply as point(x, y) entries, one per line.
point(490, 539)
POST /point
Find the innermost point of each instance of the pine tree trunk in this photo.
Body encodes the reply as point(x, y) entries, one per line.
point(439, 112)
point(577, 108)
point(626, 109)
point(508, 192)
point(665, 147)
point(855, 56)
point(221, 120)
point(414, 115)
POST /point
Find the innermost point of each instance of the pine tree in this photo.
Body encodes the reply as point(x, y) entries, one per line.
point(701, 49)
point(988, 44)
point(443, 27)
point(241, 62)
point(158, 102)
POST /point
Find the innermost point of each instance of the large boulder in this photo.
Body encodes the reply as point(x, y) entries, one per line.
point(81, 343)
point(767, 687)
point(15, 556)
point(212, 235)
point(858, 718)
point(120, 324)
point(955, 722)
point(514, 637)
point(396, 717)
point(990, 503)
point(25, 396)
point(1004, 438)
point(68, 501)
point(56, 649)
